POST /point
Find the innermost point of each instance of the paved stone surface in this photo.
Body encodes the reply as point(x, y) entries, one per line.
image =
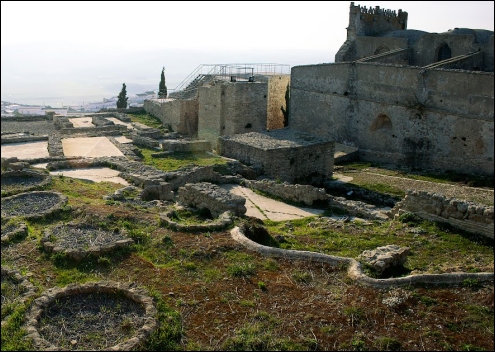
point(82, 121)
point(25, 150)
point(92, 147)
point(97, 174)
point(123, 139)
point(269, 209)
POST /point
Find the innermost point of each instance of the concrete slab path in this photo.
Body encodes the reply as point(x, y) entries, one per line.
point(265, 208)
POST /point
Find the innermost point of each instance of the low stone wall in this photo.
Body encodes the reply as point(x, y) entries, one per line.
point(33, 205)
point(96, 131)
point(218, 224)
point(144, 141)
point(285, 154)
point(23, 180)
point(22, 139)
point(358, 208)
point(12, 230)
point(136, 294)
point(99, 120)
point(26, 118)
point(210, 196)
point(80, 241)
point(296, 193)
point(146, 131)
point(62, 122)
point(467, 216)
point(26, 288)
point(55, 147)
point(128, 149)
point(186, 146)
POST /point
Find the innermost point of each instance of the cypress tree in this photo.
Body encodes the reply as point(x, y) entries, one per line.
point(122, 98)
point(162, 88)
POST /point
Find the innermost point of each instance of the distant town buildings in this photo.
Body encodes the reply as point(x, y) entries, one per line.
point(135, 100)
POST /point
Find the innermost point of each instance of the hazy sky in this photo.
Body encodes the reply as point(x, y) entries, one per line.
point(72, 52)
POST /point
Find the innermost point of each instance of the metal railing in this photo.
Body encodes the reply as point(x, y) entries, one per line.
point(235, 72)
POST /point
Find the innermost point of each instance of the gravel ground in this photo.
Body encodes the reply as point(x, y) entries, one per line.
point(29, 204)
point(74, 237)
point(21, 181)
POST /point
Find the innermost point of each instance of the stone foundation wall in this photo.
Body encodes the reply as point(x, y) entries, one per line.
point(62, 122)
point(296, 193)
point(95, 131)
point(144, 141)
point(99, 120)
point(283, 154)
point(210, 196)
point(21, 139)
point(230, 108)
point(467, 216)
point(186, 146)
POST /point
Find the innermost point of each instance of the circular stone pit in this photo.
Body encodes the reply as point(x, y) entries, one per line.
point(12, 230)
point(23, 181)
point(78, 241)
point(16, 289)
point(223, 221)
point(32, 205)
point(92, 316)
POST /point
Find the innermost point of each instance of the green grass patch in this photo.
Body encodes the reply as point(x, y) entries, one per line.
point(434, 249)
point(180, 160)
point(146, 119)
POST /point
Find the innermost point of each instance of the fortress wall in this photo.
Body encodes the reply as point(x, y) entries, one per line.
point(425, 50)
point(460, 92)
point(488, 58)
point(322, 78)
point(366, 46)
point(231, 108)
point(210, 117)
point(246, 110)
point(180, 115)
point(386, 83)
point(394, 115)
point(277, 86)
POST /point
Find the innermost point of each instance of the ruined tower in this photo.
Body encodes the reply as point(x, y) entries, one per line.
point(374, 21)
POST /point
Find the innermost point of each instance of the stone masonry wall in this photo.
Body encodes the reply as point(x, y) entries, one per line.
point(186, 146)
point(468, 216)
point(277, 85)
point(283, 154)
point(210, 196)
point(179, 115)
point(366, 46)
point(296, 193)
point(437, 119)
point(231, 108)
point(210, 117)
